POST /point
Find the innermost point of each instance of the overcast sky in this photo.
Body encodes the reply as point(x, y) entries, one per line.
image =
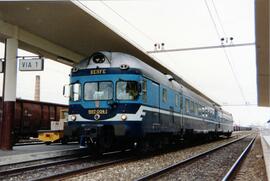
point(228, 77)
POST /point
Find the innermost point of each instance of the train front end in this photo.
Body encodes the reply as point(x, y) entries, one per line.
point(105, 103)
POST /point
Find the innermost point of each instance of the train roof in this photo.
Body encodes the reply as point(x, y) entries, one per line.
point(116, 59)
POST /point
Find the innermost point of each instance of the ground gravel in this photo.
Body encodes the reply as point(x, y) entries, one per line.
point(137, 169)
point(253, 167)
point(211, 167)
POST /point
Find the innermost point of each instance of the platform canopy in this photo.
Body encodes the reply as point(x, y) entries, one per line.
point(262, 51)
point(66, 32)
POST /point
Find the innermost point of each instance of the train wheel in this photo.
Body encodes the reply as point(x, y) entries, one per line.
point(106, 139)
point(48, 142)
point(64, 140)
point(229, 134)
point(144, 147)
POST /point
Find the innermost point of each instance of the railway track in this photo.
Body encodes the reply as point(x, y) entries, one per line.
point(104, 168)
point(58, 168)
point(29, 144)
point(64, 167)
point(188, 169)
point(16, 170)
point(67, 174)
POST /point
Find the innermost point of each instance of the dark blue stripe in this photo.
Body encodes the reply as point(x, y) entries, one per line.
point(87, 72)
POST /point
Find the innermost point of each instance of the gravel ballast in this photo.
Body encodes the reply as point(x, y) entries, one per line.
point(137, 169)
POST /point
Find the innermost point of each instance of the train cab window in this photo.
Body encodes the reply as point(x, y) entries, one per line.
point(127, 90)
point(164, 95)
point(98, 91)
point(75, 93)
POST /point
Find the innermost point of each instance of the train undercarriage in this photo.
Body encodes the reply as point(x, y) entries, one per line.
point(101, 138)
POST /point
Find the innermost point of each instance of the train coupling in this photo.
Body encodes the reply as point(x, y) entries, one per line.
point(89, 134)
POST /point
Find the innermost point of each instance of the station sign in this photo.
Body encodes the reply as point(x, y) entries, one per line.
point(31, 64)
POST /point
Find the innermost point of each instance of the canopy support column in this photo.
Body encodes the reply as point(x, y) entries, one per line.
point(9, 93)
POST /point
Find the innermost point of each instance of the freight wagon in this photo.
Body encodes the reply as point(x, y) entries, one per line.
point(31, 116)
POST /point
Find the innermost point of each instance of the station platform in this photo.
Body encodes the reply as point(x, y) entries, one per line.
point(265, 139)
point(34, 152)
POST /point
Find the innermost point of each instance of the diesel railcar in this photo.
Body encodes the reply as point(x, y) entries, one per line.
point(118, 100)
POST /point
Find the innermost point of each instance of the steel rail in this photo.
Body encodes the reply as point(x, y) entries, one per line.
point(88, 168)
point(180, 163)
point(79, 152)
point(29, 144)
point(237, 163)
point(41, 165)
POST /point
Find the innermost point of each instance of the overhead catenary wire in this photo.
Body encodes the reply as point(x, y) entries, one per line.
point(224, 49)
point(219, 19)
point(149, 38)
point(227, 53)
point(137, 29)
point(212, 18)
point(106, 23)
point(133, 26)
point(202, 48)
point(129, 23)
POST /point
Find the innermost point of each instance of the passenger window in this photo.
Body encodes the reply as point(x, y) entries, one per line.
point(144, 90)
point(164, 95)
point(192, 107)
point(196, 108)
point(200, 110)
point(187, 105)
point(181, 102)
point(176, 100)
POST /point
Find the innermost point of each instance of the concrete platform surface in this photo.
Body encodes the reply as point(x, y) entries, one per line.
point(265, 139)
point(34, 152)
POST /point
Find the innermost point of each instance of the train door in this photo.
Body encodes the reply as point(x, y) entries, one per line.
point(177, 119)
point(156, 103)
point(172, 109)
point(182, 105)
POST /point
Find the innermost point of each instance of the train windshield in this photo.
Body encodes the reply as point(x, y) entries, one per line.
point(98, 91)
point(127, 90)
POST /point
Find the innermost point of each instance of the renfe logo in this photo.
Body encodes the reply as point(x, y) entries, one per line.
point(97, 71)
point(34, 64)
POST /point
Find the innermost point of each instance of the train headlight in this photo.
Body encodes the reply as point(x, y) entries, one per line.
point(123, 117)
point(124, 67)
point(98, 58)
point(73, 117)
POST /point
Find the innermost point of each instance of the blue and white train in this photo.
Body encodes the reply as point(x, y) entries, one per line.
point(118, 100)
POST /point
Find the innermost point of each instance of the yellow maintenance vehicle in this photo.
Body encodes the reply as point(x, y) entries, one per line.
point(56, 134)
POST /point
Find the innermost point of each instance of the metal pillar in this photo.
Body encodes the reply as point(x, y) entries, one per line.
point(9, 93)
